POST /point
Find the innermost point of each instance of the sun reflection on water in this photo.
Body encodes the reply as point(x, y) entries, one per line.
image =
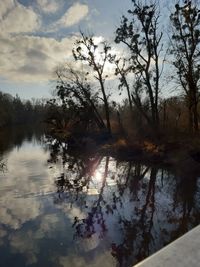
point(98, 176)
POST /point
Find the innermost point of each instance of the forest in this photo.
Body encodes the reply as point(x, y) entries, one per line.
point(150, 116)
point(14, 111)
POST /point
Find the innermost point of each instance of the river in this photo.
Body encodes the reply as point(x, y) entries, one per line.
point(61, 208)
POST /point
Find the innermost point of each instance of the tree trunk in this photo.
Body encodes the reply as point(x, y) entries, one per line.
point(190, 119)
point(105, 105)
point(195, 118)
point(193, 102)
point(164, 114)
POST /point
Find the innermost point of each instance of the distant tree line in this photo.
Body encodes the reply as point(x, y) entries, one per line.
point(85, 93)
point(14, 111)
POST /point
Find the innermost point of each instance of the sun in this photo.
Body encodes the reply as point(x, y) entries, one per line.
point(98, 176)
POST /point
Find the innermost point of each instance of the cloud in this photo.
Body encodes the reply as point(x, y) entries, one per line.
point(18, 208)
point(74, 15)
point(32, 58)
point(28, 58)
point(16, 18)
point(6, 6)
point(14, 212)
point(50, 6)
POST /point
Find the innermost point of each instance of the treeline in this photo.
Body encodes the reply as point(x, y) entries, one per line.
point(83, 94)
point(14, 111)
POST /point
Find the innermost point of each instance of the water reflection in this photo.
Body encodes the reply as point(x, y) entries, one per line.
point(138, 208)
point(60, 206)
point(14, 137)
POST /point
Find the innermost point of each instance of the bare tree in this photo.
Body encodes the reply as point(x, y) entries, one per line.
point(139, 33)
point(74, 91)
point(185, 42)
point(96, 56)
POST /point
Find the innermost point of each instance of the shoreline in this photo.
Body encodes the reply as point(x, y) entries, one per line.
point(183, 154)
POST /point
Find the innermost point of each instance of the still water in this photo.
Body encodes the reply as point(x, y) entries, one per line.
point(61, 208)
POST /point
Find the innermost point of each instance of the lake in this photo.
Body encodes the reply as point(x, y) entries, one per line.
point(61, 207)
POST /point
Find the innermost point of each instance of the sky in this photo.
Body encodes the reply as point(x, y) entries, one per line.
point(36, 36)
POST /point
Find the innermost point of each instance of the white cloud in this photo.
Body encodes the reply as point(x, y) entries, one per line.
point(31, 58)
point(6, 6)
point(74, 14)
point(16, 18)
point(34, 59)
point(50, 6)
point(14, 213)
point(17, 208)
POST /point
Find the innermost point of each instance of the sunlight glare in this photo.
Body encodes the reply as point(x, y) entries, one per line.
point(98, 176)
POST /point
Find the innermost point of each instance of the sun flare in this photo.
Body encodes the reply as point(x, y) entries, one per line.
point(98, 176)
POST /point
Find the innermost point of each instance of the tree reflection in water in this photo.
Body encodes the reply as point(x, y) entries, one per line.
point(150, 205)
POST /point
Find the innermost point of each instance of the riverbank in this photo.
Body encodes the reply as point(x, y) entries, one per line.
point(181, 152)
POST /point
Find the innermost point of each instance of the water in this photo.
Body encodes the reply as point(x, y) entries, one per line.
point(61, 207)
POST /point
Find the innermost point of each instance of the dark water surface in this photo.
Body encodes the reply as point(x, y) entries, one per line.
point(61, 208)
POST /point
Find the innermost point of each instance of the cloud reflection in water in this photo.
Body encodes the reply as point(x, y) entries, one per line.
point(89, 210)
